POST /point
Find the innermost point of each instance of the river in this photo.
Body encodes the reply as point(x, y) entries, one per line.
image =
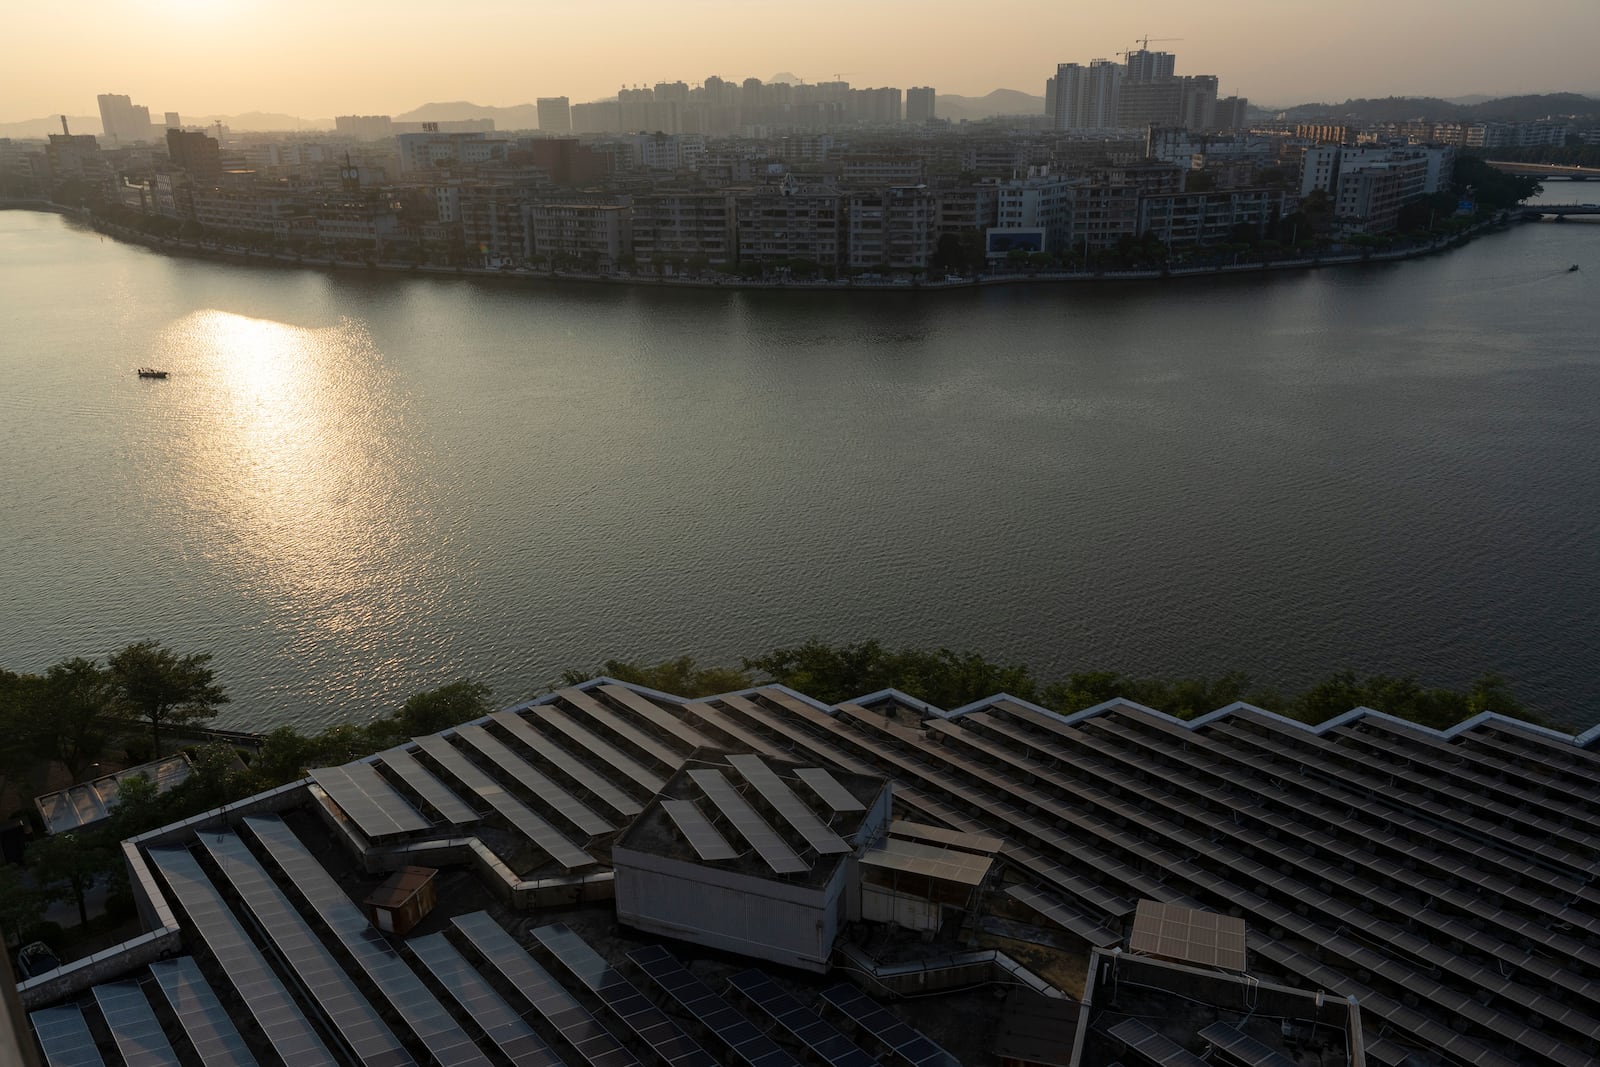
point(353, 486)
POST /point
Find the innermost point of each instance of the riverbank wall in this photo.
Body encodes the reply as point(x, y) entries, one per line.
point(221, 250)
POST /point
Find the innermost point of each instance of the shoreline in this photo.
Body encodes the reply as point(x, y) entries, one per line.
point(221, 251)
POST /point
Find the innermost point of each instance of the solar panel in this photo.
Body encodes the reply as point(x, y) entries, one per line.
point(1152, 1046)
point(435, 793)
point(567, 764)
point(65, 1037)
point(1180, 933)
point(751, 826)
point(829, 790)
point(800, 1023)
point(343, 1004)
point(1244, 1048)
point(945, 864)
point(265, 997)
point(647, 1022)
point(722, 723)
point(507, 1029)
point(134, 1026)
point(693, 825)
point(1064, 917)
point(526, 821)
point(744, 1039)
point(646, 708)
point(372, 803)
point(536, 782)
point(204, 1020)
point(577, 1027)
point(902, 1040)
point(789, 807)
point(598, 712)
point(608, 753)
point(938, 835)
point(399, 985)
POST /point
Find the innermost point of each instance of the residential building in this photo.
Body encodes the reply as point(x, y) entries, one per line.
point(1142, 104)
point(1042, 203)
point(1197, 108)
point(364, 127)
point(919, 104)
point(876, 106)
point(1146, 66)
point(494, 222)
point(883, 170)
point(426, 151)
point(894, 228)
point(1084, 98)
point(244, 212)
point(75, 157)
point(1369, 195)
point(1233, 113)
point(196, 154)
point(122, 121)
point(555, 114)
point(1195, 219)
point(969, 207)
point(589, 236)
point(791, 221)
point(1325, 133)
point(684, 227)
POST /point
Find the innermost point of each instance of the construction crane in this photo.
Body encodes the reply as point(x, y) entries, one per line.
point(1144, 44)
point(841, 74)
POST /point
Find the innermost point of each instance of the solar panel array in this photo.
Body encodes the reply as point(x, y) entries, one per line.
point(646, 1022)
point(568, 764)
point(510, 1033)
point(563, 803)
point(697, 829)
point(134, 1026)
point(750, 825)
point(789, 807)
point(522, 818)
point(434, 793)
point(946, 864)
point(336, 994)
point(1444, 883)
point(742, 1038)
point(1244, 1049)
point(64, 1036)
point(373, 804)
point(263, 994)
point(798, 1022)
point(829, 790)
point(577, 1027)
point(439, 1033)
point(901, 1040)
point(1152, 1047)
point(204, 1020)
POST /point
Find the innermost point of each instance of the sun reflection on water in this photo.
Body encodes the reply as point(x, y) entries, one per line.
point(295, 467)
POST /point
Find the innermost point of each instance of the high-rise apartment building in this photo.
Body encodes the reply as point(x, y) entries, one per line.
point(1146, 66)
point(173, 121)
point(555, 114)
point(123, 121)
point(1084, 98)
point(919, 104)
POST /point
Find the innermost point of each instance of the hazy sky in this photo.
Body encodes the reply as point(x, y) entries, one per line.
point(318, 58)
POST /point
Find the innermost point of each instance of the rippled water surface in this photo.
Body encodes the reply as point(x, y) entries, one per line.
point(355, 487)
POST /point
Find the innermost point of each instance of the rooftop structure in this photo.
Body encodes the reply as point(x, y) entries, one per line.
point(88, 802)
point(1434, 887)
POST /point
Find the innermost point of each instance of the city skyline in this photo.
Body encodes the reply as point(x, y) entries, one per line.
point(210, 58)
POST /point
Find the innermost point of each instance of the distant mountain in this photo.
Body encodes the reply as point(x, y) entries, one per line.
point(1474, 98)
point(41, 128)
point(783, 77)
point(1000, 102)
point(1433, 109)
point(515, 117)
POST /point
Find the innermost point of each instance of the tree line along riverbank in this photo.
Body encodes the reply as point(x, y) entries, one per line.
point(80, 714)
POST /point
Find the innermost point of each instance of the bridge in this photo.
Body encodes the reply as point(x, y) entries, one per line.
point(1559, 211)
point(1550, 172)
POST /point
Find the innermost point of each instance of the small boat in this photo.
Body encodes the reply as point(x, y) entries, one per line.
point(1572, 268)
point(151, 372)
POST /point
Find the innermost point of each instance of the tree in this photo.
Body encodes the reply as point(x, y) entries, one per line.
point(77, 699)
point(67, 865)
point(444, 707)
point(21, 904)
point(159, 686)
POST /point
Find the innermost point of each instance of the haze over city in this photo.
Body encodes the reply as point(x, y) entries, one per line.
point(315, 60)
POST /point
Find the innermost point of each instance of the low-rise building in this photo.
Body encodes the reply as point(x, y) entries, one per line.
point(1182, 220)
point(894, 228)
point(684, 226)
point(791, 221)
point(590, 236)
